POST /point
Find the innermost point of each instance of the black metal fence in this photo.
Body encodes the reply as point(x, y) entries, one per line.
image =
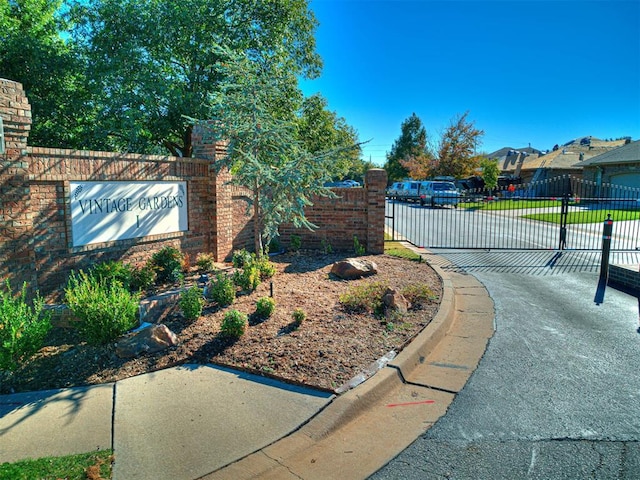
point(563, 213)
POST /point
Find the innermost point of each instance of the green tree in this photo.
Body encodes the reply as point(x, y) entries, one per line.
point(411, 144)
point(456, 153)
point(490, 172)
point(152, 61)
point(252, 112)
point(322, 130)
point(33, 52)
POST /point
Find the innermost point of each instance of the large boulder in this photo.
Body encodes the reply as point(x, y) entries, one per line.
point(353, 268)
point(148, 340)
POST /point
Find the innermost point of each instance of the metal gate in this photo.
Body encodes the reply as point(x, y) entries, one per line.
point(563, 213)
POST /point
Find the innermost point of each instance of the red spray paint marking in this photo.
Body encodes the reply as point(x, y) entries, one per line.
point(410, 403)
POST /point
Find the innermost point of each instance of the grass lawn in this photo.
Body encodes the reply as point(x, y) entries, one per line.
point(588, 216)
point(396, 249)
point(85, 466)
point(510, 204)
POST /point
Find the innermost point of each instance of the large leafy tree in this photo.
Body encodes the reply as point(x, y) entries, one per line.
point(322, 130)
point(253, 114)
point(456, 152)
point(33, 52)
point(410, 145)
point(153, 60)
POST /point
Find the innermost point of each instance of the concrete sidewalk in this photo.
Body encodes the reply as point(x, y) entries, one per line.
point(202, 421)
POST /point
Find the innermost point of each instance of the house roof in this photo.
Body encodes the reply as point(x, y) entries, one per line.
point(629, 153)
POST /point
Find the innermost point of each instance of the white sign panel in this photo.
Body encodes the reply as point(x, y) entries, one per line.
point(107, 211)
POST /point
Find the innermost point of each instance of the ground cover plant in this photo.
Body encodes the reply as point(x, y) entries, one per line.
point(309, 338)
point(85, 466)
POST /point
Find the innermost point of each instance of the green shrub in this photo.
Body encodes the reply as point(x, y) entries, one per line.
point(295, 243)
point(418, 294)
point(242, 258)
point(247, 278)
point(299, 316)
point(234, 324)
point(22, 327)
point(222, 290)
point(265, 307)
point(113, 270)
point(105, 310)
point(204, 262)
point(191, 303)
point(142, 278)
point(326, 246)
point(266, 268)
point(358, 247)
point(167, 263)
point(365, 298)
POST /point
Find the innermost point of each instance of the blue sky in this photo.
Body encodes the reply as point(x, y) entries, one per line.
point(528, 72)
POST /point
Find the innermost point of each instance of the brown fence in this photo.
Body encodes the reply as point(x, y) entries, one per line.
point(36, 244)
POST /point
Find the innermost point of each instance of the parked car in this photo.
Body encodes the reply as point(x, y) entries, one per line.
point(438, 193)
point(409, 191)
point(351, 183)
point(393, 190)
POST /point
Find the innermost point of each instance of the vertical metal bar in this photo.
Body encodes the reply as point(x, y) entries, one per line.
point(606, 248)
point(564, 213)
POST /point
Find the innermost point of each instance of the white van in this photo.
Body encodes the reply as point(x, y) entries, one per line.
point(409, 191)
point(393, 190)
point(436, 193)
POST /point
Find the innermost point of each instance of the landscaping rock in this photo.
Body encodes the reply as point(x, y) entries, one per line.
point(395, 301)
point(353, 268)
point(148, 340)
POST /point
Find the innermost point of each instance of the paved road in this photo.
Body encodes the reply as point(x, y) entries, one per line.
point(557, 394)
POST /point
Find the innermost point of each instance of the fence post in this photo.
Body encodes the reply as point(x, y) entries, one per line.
point(564, 212)
point(606, 248)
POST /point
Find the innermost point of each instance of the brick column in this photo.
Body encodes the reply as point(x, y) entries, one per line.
point(17, 257)
point(376, 183)
point(221, 236)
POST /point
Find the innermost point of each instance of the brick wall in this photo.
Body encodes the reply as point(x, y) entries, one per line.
point(627, 276)
point(35, 221)
point(356, 212)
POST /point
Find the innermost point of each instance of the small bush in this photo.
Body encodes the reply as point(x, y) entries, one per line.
point(222, 290)
point(265, 307)
point(234, 324)
point(113, 270)
point(365, 298)
point(418, 294)
point(142, 278)
point(242, 258)
point(22, 327)
point(105, 310)
point(191, 303)
point(295, 243)
point(168, 264)
point(247, 278)
point(204, 262)
point(358, 247)
point(266, 268)
point(326, 246)
point(299, 316)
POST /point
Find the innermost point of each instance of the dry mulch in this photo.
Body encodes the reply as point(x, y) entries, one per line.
point(330, 347)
